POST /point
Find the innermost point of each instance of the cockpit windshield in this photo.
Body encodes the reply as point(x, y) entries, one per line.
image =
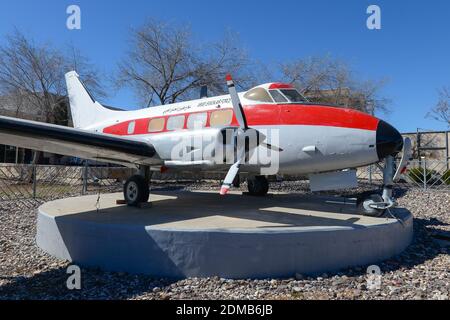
point(279, 95)
point(258, 94)
point(293, 95)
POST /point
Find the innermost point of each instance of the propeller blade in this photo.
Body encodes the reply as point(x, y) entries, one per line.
point(271, 147)
point(407, 152)
point(240, 115)
point(232, 172)
point(243, 133)
point(237, 106)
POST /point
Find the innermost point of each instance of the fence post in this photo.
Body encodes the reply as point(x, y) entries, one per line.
point(85, 178)
point(34, 181)
point(370, 174)
point(447, 151)
point(424, 173)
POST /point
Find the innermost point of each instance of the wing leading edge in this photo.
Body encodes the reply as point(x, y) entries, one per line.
point(75, 142)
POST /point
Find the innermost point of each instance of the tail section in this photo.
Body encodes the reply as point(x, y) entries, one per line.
point(85, 110)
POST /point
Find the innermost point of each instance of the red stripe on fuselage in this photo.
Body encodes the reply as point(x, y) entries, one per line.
point(272, 115)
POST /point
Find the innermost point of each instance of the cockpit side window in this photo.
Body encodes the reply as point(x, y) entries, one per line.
point(258, 94)
point(293, 95)
point(277, 96)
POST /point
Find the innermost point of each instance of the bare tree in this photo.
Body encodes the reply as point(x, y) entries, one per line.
point(32, 73)
point(90, 75)
point(367, 97)
point(32, 77)
point(164, 66)
point(315, 74)
point(441, 111)
point(328, 80)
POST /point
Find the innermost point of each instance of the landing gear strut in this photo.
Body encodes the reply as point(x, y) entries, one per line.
point(375, 205)
point(136, 188)
point(258, 186)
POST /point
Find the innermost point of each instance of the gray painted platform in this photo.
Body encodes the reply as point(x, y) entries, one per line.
point(198, 234)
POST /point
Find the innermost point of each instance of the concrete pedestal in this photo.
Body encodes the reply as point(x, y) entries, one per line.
point(199, 234)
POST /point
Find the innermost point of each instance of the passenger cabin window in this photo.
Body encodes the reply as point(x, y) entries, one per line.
point(156, 125)
point(277, 96)
point(131, 127)
point(258, 94)
point(293, 95)
point(221, 118)
point(175, 123)
point(197, 120)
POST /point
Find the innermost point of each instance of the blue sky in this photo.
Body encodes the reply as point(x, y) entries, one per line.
point(412, 49)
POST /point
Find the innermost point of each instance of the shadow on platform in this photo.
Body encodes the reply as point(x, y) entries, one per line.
point(210, 210)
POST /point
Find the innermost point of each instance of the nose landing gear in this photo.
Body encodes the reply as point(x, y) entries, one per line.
point(375, 205)
point(372, 205)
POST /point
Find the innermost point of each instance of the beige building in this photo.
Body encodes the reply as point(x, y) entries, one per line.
point(8, 154)
point(430, 144)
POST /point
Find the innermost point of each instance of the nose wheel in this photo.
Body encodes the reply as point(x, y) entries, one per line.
point(370, 205)
point(136, 190)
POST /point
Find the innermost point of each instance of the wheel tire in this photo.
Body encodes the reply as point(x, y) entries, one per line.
point(236, 182)
point(363, 206)
point(136, 190)
point(258, 186)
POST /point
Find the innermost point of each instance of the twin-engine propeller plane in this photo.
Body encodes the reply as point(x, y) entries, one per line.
point(269, 129)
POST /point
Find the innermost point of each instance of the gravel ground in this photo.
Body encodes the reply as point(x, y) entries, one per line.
point(421, 272)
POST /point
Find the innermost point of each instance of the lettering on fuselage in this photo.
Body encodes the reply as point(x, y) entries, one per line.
point(176, 109)
point(214, 102)
point(186, 108)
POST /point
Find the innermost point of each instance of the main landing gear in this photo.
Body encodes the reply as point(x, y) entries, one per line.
point(257, 186)
point(136, 189)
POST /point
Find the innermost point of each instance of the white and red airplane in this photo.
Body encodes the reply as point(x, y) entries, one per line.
point(269, 129)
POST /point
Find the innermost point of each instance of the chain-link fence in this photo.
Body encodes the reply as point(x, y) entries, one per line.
point(423, 173)
point(47, 182)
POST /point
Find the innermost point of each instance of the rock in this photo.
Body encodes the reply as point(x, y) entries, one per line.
point(361, 286)
point(357, 292)
point(421, 272)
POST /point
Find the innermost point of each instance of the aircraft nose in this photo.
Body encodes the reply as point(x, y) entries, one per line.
point(389, 140)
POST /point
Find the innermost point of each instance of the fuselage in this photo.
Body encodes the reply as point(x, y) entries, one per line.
point(313, 137)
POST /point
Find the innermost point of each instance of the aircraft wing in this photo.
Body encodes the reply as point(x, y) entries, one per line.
point(76, 142)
